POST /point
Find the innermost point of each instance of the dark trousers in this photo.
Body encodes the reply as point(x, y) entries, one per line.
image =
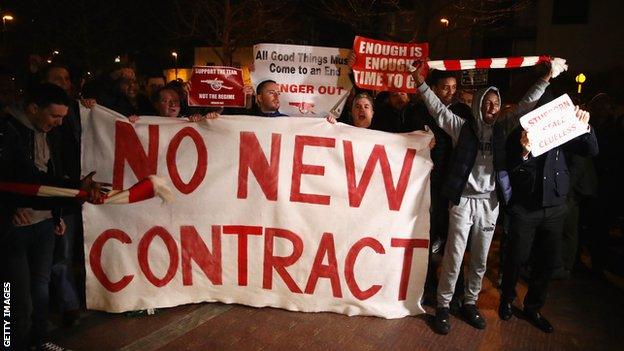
point(437, 236)
point(62, 279)
point(29, 263)
point(570, 236)
point(534, 234)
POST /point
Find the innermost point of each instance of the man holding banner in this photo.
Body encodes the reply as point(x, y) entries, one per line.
point(267, 97)
point(28, 155)
point(538, 210)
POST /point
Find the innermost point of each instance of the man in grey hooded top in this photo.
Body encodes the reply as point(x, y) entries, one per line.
point(476, 175)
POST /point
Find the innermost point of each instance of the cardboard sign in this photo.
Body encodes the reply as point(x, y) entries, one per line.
point(552, 125)
point(216, 86)
point(384, 66)
point(474, 77)
point(294, 213)
point(313, 81)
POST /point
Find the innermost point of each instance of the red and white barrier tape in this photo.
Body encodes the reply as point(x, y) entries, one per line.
point(145, 189)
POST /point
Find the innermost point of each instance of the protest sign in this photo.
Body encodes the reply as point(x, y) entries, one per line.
point(313, 80)
point(552, 125)
point(216, 86)
point(383, 65)
point(294, 213)
point(474, 77)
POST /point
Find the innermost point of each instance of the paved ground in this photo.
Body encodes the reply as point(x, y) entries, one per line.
point(587, 313)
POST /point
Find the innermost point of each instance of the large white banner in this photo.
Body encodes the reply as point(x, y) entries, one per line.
point(552, 125)
point(295, 213)
point(313, 80)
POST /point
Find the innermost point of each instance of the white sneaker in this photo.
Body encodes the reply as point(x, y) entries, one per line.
point(50, 346)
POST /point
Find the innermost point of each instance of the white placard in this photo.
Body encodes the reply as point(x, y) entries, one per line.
point(552, 125)
point(313, 80)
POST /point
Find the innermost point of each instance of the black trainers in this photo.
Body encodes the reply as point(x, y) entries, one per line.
point(472, 316)
point(455, 305)
point(441, 322)
point(70, 317)
point(538, 320)
point(505, 310)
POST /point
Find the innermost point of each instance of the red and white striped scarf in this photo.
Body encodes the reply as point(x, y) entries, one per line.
point(558, 64)
point(145, 189)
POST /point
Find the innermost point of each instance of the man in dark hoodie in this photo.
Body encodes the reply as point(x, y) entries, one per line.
point(477, 172)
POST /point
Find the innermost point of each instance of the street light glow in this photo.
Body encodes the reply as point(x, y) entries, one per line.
point(55, 52)
point(117, 59)
point(445, 22)
point(580, 79)
point(7, 18)
point(175, 58)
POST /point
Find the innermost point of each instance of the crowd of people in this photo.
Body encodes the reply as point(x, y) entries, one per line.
point(484, 176)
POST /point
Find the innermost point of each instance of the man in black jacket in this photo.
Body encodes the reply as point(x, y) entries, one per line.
point(28, 154)
point(68, 134)
point(537, 214)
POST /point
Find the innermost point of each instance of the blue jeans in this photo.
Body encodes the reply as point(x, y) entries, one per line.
point(29, 263)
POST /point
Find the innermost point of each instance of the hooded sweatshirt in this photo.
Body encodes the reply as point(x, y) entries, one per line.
point(41, 158)
point(482, 180)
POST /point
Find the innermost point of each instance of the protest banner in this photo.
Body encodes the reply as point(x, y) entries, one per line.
point(552, 125)
point(216, 86)
point(313, 80)
point(383, 65)
point(294, 213)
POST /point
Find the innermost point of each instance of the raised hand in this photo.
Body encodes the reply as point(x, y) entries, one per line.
point(526, 144)
point(545, 70)
point(582, 115)
point(418, 73)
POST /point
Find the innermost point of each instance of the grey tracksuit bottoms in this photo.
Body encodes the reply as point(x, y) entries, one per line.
point(476, 218)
